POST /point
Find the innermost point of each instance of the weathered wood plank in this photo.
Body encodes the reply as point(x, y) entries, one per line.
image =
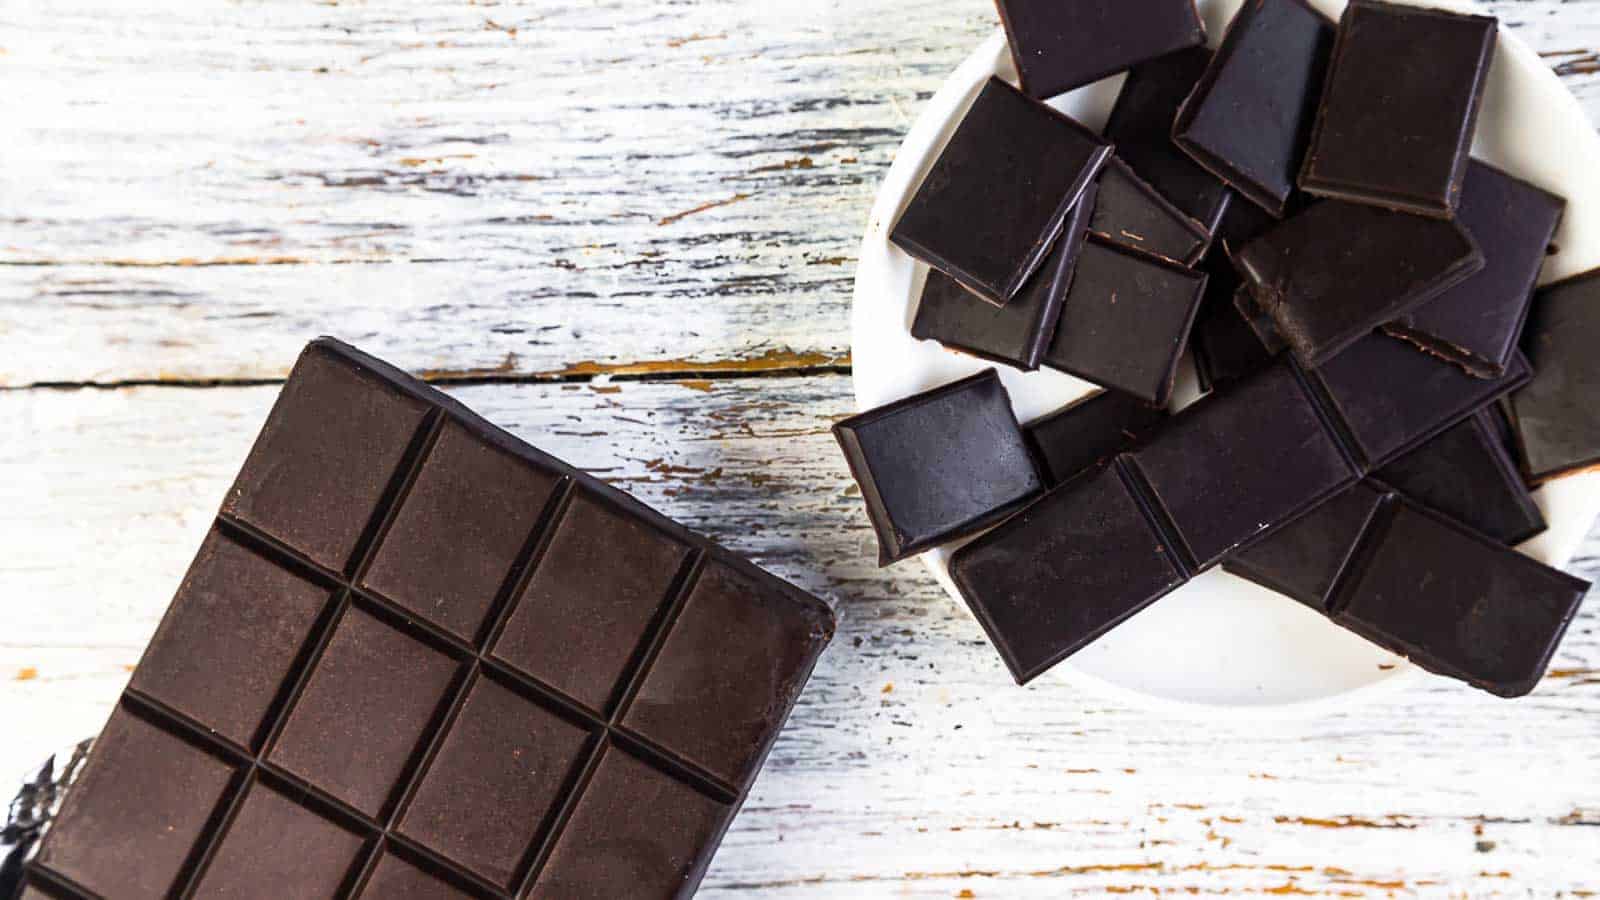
point(192, 189)
point(913, 768)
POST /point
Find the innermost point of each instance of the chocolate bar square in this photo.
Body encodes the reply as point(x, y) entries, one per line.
point(1305, 559)
point(1467, 474)
point(1128, 211)
point(220, 656)
point(1476, 324)
point(1062, 44)
point(708, 696)
point(278, 842)
point(1064, 571)
point(591, 602)
point(1250, 117)
point(1400, 106)
point(1141, 128)
point(635, 832)
point(1017, 333)
point(1558, 420)
point(458, 532)
point(938, 465)
point(1333, 273)
point(1089, 432)
point(1126, 320)
point(505, 753)
point(997, 198)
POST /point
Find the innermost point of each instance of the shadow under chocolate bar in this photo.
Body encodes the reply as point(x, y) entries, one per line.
point(416, 656)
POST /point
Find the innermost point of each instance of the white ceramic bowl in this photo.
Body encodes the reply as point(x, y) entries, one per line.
point(1220, 643)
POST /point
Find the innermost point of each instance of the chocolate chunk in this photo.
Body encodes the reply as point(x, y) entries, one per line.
point(1130, 212)
point(1240, 462)
point(1390, 399)
point(1019, 332)
point(1556, 414)
point(1226, 347)
point(430, 702)
point(1126, 320)
point(1455, 602)
point(1251, 115)
point(1467, 474)
point(1062, 44)
point(994, 203)
point(1333, 273)
point(1304, 559)
point(1261, 325)
point(1476, 324)
point(1141, 128)
point(1400, 106)
point(1064, 571)
point(1090, 431)
point(938, 465)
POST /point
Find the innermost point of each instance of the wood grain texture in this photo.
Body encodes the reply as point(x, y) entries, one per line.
point(913, 766)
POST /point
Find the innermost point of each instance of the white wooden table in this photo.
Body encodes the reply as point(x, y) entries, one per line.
point(625, 230)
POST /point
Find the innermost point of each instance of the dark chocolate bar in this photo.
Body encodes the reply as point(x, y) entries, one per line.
point(1250, 117)
point(1126, 320)
point(939, 465)
point(1333, 273)
point(1467, 474)
point(1130, 212)
point(1557, 415)
point(997, 198)
point(417, 657)
point(1064, 571)
point(1089, 432)
point(1400, 106)
point(1304, 559)
point(1017, 333)
point(1062, 44)
point(1476, 323)
point(1141, 128)
point(1456, 603)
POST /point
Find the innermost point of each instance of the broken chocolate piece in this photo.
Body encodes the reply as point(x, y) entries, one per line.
point(1399, 107)
point(997, 198)
point(1089, 432)
point(1304, 559)
point(940, 464)
point(1557, 416)
point(1130, 212)
point(1467, 474)
point(1062, 44)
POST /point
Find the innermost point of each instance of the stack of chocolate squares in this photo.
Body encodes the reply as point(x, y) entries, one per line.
point(1300, 208)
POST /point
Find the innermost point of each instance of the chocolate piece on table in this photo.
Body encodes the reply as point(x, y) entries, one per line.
point(334, 704)
point(997, 198)
point(1141, 128)
point(1304, 559)
point(1065, 570)
point(939, 465)
point(1400, 106)
point(1456, 603)
point(1467, 474)
point(1240, 462)
point(1557, 418)
point(1062, 44)
point(1333, 273)
point(1476, 324)
point(1130, 212)
point(1126, 320)
point(1090, 431)
point(1019, 332)
point(1249, 118)
point(1389, 398)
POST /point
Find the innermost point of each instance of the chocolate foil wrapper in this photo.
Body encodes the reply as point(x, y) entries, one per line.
point(33, 808)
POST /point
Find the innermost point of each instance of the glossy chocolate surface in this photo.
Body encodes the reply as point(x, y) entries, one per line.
point(481, 686)
point(1557, 416)
point(1476, 323)
point(1061, 44)
point(1400, 106)
point(1250, 117)
point(1064, 571)
point(1467, 474)
point(939, 465)
point(997, 198)
point(1017, 333)
point(1304, 559)
point(1089, 432)
point(1128, 211)
point(1336, 271)
point(1141, 128)
point(1126, 320)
